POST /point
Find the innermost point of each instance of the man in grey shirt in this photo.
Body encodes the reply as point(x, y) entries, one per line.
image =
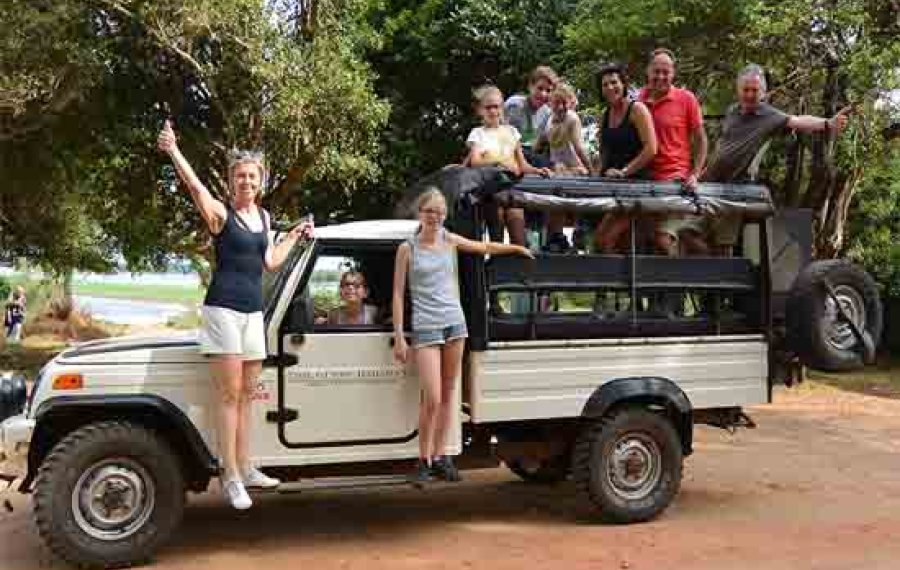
point(747, 126)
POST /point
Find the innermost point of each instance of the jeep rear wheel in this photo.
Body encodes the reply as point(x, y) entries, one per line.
point(108, 495)
point(627, 466)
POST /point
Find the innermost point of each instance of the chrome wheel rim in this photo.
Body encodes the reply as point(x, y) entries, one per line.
point(113, 499)
point(634, 466)
point(838, 333)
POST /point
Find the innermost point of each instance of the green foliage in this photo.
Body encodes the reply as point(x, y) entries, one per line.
point(874, 232)
point(5, 288)
point(89, 83)
point(434, 54)
point(354, 99)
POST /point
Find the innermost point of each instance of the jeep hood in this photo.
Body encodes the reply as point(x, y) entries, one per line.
point(182, 347)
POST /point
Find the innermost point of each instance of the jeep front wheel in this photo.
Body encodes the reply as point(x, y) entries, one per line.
point(108, 495)
point(627, 466)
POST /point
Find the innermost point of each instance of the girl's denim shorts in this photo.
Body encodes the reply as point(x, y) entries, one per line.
point(431, 337)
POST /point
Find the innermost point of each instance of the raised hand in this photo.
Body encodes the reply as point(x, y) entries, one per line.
point(303, 229)
point(840, 120)
point(167, 141)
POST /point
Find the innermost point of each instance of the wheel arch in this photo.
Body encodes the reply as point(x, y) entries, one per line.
point(57, 417)
point(645, 391)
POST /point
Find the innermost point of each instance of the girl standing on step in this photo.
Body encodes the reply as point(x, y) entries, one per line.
point(427, 261)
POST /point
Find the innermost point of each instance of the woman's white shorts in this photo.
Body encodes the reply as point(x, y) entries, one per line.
point(226, 331)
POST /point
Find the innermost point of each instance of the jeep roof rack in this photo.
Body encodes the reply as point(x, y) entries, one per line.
point(589, 194)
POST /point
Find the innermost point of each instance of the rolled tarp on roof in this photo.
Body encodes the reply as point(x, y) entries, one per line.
point(464, 186)
point(588, 194)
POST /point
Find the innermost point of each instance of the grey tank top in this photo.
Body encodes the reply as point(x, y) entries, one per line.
point(433, 286)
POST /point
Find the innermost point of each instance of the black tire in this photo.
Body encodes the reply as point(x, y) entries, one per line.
point(813, 331)
point(643, 434)
point(548, 472)
point(112, 456)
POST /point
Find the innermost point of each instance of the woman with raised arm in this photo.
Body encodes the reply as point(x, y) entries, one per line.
point(428, 260)
point(232, 333)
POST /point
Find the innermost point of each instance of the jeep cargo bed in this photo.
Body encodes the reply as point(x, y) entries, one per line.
point(527, 380)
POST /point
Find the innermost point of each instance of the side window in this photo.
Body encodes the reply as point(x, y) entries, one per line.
point(349, 290)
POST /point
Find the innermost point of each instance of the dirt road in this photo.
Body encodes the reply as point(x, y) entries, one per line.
point(817, 485)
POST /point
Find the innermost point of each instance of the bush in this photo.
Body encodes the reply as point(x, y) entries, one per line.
point(5, 288)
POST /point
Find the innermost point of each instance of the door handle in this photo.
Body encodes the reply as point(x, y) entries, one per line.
point(297, 339)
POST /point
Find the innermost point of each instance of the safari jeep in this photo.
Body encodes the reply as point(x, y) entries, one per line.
point(580, 365)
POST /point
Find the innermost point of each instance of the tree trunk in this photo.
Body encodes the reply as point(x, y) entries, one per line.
point(830, 238)
point(67, 287)
point(795, 153)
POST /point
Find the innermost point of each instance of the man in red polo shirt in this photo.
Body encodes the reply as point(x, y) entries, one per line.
point(682, 145)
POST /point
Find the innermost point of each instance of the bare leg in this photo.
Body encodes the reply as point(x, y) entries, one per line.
point(226, 371)
point(515, 225)
point(666, 243)
point(610, 232)
point(251, 370)
point(428, 360)
point(694, 243)
point(451, 362)
point(556, 221)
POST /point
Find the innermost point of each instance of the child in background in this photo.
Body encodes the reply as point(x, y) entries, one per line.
point(530, 113)
point(563, 134)
point(496, 144)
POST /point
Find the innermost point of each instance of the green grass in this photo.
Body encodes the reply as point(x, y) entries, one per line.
point(39, 290)
point(186, 321)
point(143, 292)
point(882, 379)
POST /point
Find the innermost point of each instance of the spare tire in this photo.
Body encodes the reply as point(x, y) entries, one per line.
point(815, 329)
point(13, 395)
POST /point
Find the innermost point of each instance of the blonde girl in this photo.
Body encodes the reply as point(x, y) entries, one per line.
point(496, 144)
point(427, 261)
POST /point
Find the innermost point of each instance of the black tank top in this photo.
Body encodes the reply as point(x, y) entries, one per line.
point(237, 280)
point(619, 145)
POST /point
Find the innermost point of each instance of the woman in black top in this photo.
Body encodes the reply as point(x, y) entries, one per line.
point(627, 145)
point(232, 332)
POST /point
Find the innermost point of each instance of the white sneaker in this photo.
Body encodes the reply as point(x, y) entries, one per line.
point(258, 480)
point(236, 494)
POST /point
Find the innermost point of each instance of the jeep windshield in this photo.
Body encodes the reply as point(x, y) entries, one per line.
point(273, 281)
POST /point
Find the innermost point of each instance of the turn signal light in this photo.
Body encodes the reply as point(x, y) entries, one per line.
point(68, 382)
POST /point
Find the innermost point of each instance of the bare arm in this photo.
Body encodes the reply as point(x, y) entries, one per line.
point(700, 145)
point(212, 210)
point(401, 267)
point(478, 157)
point(277, 254)
point(487, 247)
point(643, 122)
point(525, 168)
point(578, 143)
point(810, 124)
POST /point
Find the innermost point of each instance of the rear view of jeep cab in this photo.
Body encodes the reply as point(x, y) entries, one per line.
point(580, 365)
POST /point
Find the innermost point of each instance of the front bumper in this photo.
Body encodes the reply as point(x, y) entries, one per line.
point(15, 437)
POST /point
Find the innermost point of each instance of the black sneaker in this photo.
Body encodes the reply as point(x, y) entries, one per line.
point(421, 475)
point(444, 468)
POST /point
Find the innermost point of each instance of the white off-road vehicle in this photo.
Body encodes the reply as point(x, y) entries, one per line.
point(579, 365)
